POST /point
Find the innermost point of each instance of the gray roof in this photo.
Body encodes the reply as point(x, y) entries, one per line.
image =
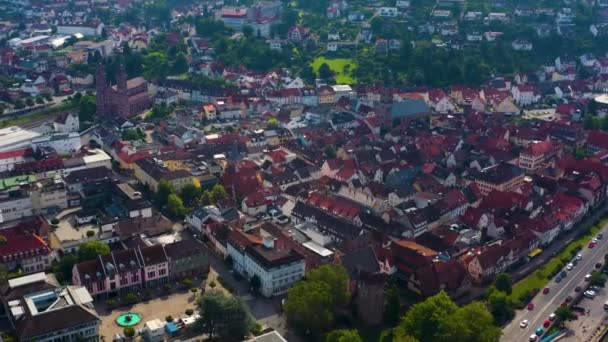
point(408, 108)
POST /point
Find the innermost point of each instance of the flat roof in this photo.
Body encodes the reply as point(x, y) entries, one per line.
point(12, 138)
point(322, 251)
point(28, 279)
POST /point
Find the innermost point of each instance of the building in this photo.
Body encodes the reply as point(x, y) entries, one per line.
point(9, 159)
point(40, 310)
point(234, 18)
point(24, 196)
point(327, 95)
point(66, 123)
point(16, 138)
point(187, 258)
point(62, 143)
point(127, 98)
point(123, 271)
point(501, 177)
point(151, 173)
point(277, 269)
point(535, 155)
point(24, 250)
point(91, 29)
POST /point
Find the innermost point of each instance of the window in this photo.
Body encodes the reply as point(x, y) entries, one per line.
point(151, 274)
point(162, 272)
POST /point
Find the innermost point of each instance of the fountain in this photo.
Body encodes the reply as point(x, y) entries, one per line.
point(128, 319)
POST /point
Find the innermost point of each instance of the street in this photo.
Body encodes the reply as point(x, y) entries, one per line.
point(544, 305)
point(588, 326)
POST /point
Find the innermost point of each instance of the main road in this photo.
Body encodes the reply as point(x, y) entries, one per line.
point(546, 304)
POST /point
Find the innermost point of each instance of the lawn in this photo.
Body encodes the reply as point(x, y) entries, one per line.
point(541, 277)
point(337, 66)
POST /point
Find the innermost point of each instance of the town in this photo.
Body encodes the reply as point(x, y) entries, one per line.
point(323, 170)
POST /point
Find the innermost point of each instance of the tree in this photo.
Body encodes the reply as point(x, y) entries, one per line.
point(90, 233)
point(187, 283)
point(400, 335)
point(564, 313)
point(589, 123)
point(255, 283)
point(180, 64)
point(91, 249)
point(191, 194)
point(129, 331)
point(162, 194)
point(597, 278)
point(392, 306)
point(479, 323)
point(337, 278)
point(39, 100)
point(63, 269)
point(247, 31)
point(272, 123)
point(29, 102)
point(160, 112)
point(87, 107)
point(4, 275)
point(3, 240)
point(500, 307)
point(343, 335)
point(592, 107)
point(19, 104)
point(503, 283)
point(309, 307)
point(219, 193)
point(175, 206)
point(604, 123)
point(325, 72)
point(226, 317)
point(330, 151)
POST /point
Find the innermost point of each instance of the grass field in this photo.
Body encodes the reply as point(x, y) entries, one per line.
point(541, 277)
point(337, 66)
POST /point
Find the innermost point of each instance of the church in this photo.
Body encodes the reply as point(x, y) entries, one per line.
point(125, 99)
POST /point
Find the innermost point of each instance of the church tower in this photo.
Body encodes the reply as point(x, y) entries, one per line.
point(122, 93)
point(101, 85)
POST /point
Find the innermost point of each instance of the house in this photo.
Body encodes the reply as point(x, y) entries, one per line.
point(39, 309)
point(166, 97)
point(524, 94)
point(327, 95)
point(151, 173)
point(254, 204)
point(187, 258)
point(500, 177)
point(535, 155)
point(93, 28)
point(406, 110)
point(522, 45)
point(440, 102)
point(25, 250)
point(388, 12)
point(8, 160)
point(66, 123)
point(122, 272)
point(297, 33)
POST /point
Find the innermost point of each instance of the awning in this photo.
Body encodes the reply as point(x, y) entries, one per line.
point(535, 253)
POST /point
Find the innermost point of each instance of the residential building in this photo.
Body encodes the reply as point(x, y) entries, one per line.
point(93, 28)
point(500, 177)
point(187, 258)
point(41, 310)
point(62, 143)
point(535, 155)
point(149, 172)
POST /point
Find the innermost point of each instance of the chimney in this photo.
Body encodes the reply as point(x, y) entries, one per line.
point(268, 242)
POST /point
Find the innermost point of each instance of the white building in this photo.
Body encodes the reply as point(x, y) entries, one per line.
point(40, 310)
point(62, 143)
point(93, 29)
point(9, 159)
point(66, 123)
point(278, 270)
point(524, 95)
point(389, 12)
point(343, 90)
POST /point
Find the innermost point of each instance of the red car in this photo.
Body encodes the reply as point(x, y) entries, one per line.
point(591, 244)
point(547, 323)
point(546, 290)
point(531, 306)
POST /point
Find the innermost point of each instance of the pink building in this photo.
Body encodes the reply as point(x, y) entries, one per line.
point(122, 272)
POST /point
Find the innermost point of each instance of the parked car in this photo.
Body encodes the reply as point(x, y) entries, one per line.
point(539, 331)
point(578, 308)
point(578, 289)
point(600, 236)
point(531, 306)
point(533, 338)
point(570, 266)
point(552, 317)
point(590, 294)
point(524, 324)
point(588, 277)
point(546, 323)
point(598, 265)
point(546, 290)
point(591, 244)
point(579, 256)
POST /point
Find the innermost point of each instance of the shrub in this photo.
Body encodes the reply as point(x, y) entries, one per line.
point(55, 221)
point(194, 290)
point(212, 284)
point(187, 283)
point(167, 287)
point(129, 331)
point(130, 297)
point(169, 319)
point(111, 303)
point(90, 233)
point(189, 312)
point(257, 328)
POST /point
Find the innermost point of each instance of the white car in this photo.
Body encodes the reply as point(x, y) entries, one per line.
point(524, 324)
point(533, 338)
point(552, 317)
point(590, 294)
point(579, 257)
point(588, 277)
point(594, 240)
point(570, 266)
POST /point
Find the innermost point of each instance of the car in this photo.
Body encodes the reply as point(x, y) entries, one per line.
point(591, 244)
point(578, 308)
point(570, 266)
point(524, 324)
point(531, 306)
point(546, 323)
point(594, 240)
point(589, 294)
point(600, 236)
point(568, 299)
point(563, 274)
point(578, 289)
point(558, 279)
point(598, 265)
point(579, 257)
point(588, 277)
point(552, 317)
point(594, 288)
point(546, 290)
point(539, 331)
point(533, 338)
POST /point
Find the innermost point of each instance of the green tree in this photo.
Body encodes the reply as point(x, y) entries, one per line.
point(500, 307)
point(400, 335)
point(39, 100)
point(162, 194)
point(87, 107)
point(91, 249)
point(564, 313)
point(129, 331)
point(325, 72)
point(180, 64)
point(19, 104)
point(156, 65)
point(330, 151)
point(255, 283)
point(191, 194)
point(589, 123)
point(63, 269)
point(479, 323)
point(503, 283)
point(337, 278)
point(272, 123)
point(175, 206)
point(432, 320)
point(597, 278)
point(247, 31)
point(160, 112)
point(343, 335)
point(309, 307)
point(224, 317)
point(219, 193)
point(604, 123)
point(29, 102)
point(392, 306)
point(4, 275)
point(592, 107)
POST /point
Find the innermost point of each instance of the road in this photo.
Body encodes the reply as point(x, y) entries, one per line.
point(587, 327)
point(547, 304)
